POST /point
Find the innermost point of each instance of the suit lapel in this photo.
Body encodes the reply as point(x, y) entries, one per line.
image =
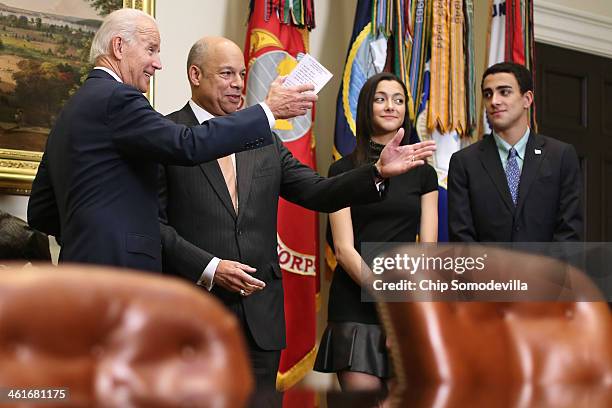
point(245, 162)
point(489, 156)
point(187, 117)
point(211, 169)
point(531, 166)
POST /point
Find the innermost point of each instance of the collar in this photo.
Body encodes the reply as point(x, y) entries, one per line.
point(110, 72)
point(201, 114)
point(520, 146)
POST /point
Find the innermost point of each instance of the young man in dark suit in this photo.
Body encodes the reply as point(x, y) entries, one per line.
point(514, 185)
point(96, 187)
point(219, 219)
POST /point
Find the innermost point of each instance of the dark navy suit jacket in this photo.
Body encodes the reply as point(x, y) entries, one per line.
point(549, 206)
point(96, 187)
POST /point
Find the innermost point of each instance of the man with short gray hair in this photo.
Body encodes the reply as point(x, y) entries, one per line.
point(96, 187)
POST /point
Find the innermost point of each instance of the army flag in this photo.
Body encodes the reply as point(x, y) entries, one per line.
point(510, 39)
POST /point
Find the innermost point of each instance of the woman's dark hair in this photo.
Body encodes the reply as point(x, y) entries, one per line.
point(364, 116)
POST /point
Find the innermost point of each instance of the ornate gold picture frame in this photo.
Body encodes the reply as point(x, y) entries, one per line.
point(43, 60)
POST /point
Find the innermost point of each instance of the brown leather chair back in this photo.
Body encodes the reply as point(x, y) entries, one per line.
point(503, 343)
point(457, 349)
point(119, 338)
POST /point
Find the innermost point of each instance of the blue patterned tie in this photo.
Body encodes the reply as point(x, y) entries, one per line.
point(513, 174)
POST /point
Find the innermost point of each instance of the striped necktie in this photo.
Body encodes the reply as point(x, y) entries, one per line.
point(229, 174)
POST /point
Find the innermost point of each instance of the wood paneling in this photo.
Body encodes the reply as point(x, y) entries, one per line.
point(574, 104)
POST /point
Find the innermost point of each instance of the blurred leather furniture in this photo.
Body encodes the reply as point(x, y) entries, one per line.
point(118, 338)
point(511, 354)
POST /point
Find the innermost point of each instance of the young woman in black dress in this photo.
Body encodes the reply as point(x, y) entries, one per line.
point(353, 344)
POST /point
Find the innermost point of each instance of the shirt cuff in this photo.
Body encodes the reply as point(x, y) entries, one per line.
point(379, 182)
point(206, 279)
point(269, 114)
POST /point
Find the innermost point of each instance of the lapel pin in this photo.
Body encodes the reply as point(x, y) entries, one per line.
point(537, 151)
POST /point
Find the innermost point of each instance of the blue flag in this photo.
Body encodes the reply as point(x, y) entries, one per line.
point(358, 68)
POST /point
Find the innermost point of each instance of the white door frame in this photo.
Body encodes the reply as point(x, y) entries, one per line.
point(571, 28)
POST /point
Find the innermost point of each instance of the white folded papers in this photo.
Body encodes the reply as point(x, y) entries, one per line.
point(309, 71)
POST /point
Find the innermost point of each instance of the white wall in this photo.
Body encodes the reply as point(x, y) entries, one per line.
point(16, 205)
point(179, 28)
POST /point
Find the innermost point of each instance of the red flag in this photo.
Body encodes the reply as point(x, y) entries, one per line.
point(515, 44)
point(272, 47)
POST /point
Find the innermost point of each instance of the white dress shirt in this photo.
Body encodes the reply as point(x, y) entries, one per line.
point(110, 72)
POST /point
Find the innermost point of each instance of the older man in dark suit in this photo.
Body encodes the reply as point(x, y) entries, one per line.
point(514, 185)
point(219, 219)
point(96, 187)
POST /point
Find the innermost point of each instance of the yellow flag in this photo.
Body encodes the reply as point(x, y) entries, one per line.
point(438, 115)
point(457, 69)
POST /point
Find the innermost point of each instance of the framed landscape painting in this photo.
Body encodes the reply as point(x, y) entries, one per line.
point(44, 51)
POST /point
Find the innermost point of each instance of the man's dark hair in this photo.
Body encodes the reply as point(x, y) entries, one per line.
point(520, 72)
point(364, 129)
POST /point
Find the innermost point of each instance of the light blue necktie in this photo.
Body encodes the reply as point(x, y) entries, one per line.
point(513, 174)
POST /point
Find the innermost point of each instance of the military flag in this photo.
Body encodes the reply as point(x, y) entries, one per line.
point(366, 56)
point(277, 36)
point(510, 39)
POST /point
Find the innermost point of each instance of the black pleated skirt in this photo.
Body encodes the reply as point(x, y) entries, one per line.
point(351, 346)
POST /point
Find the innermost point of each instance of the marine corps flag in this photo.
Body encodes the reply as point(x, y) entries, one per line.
point(277, 36)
